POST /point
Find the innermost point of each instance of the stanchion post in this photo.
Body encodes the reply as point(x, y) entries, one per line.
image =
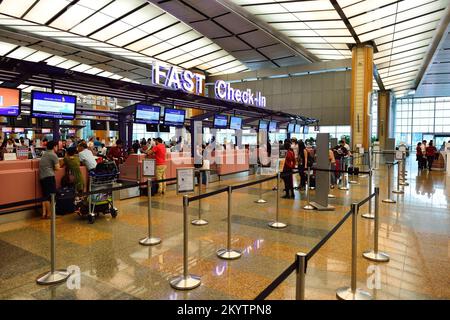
point(330, 195)
point(308, 205)
point(186, 281)
point(200, 221)
point(260, 200)
point(301, 276)
point(228, 253)
point(398, 190)
point(388, 199)
point(369, 214)
point(149, 240)
point(352, 292)
point(53, 276)
point(375, 255)
point(277, 224)
point(344, 177)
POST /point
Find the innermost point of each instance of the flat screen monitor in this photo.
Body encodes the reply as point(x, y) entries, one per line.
point(305, 129)
point(7, 129)
point(44, 131)
point(22, 121)
point(220, 121)
point(114, 126)
point(147, 114)
point(19, 130)
point(151, 127)
point(98, 125)
point(9, 102)
point(45, 123)
point(291, 128)
point(297, 128)
point(164, 128)
point(263, 125)
point(273, 126)
point(52, 105)
point(174, 117)
point(235, 123)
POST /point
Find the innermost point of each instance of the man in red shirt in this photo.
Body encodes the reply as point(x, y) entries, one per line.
point(116, 153)
point(159, 153)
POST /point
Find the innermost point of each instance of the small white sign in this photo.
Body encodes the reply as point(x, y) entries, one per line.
point(148, 167)
point(402, 148)
point(9, 156)
point(398, 155)
point(185, 180)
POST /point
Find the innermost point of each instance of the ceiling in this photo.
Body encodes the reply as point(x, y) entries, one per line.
point(119, 39)
point(436, 80)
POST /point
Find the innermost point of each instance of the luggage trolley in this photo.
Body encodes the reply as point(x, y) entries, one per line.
point(103, 177)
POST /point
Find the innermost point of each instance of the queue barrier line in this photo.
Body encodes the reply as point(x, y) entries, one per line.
point(278, 280)
point(362, 202)
point(208, 194)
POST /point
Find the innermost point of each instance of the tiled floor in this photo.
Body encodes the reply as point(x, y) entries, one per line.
point(415, 232)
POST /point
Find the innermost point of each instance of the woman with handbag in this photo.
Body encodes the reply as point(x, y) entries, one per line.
point(73, 172)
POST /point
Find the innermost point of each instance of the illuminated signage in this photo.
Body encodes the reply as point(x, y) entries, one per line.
point(177, 79)
point(224, 91)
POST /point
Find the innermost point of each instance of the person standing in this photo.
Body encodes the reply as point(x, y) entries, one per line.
point(72, 165)
point(116, 153)
point(419, 156)
point(302, 163)
point(430, 152)
point(159, 153)
point(289, 165)
point(423, 147)
point(48, 164)
point(332, 161)
point(86, 157)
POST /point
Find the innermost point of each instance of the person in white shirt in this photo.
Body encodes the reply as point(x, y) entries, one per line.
point(86, 156)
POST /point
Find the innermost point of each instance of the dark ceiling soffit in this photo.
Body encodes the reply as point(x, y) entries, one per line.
point(63, 79)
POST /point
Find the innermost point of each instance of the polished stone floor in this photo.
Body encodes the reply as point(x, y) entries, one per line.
point(415, 232)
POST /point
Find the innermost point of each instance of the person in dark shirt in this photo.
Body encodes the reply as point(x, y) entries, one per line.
point(289, 165)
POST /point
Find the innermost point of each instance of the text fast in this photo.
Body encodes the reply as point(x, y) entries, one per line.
point(177, 79)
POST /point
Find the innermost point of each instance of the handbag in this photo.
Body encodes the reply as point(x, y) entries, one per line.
point(68, 180)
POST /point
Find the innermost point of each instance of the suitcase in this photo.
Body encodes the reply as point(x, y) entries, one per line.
point(65, 201)
point(155, 187)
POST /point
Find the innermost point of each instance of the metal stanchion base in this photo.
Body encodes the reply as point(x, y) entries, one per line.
point(398, 191)
point(346, 293)
point(331, 196)
point(388, 201)
point(277, 225)
point(199, 222)
point(376, 256)
point(228, 254)
point(260, 201)
point(308, 207)
point(150, 241)
point(343, 188)
point(353, 182)
point(58, 276)
point(368, 215)
point(404, 183)
point(188, 283)
point(363, 176)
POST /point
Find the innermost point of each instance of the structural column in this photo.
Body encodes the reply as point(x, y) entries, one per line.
point(362, 77)
point(384, 105)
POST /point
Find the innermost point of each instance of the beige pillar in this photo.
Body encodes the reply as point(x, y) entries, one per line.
point(362, 77)
point(384, 105)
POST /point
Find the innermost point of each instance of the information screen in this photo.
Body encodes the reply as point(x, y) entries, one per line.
point(98, 125)
point(174, 117)
point(7, 130)
point(297, 128)
point(263, 125)
point(235, 123)
point(52, 105)
point(273, 126)
point(147, 114)
point(220, 121)
point(9, 102)
point(291, 127)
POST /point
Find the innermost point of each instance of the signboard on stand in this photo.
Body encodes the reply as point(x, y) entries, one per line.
point(398, 155)
point(149, 167)
point(185, 180)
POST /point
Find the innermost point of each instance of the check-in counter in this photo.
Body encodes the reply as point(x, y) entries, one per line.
point(231, 161)
point(20, 180)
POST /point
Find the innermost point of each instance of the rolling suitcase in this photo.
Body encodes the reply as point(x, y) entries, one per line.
point(65, 201)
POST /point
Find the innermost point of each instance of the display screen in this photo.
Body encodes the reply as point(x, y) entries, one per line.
point(174, 117)
point(9, 102)
point(52, 105)
point(7, 129)
point(163, 128)
point(220, 121)
point(147, 114)
point(151, 128)
point(305, 129)
point(19, 130)
point(114, 126)
point(22, 121)
point(98, 125)
point(291, 128)
point(297, 128)
point(273, 126)
point(263, 124)
point(235, 123)
point(48, 131)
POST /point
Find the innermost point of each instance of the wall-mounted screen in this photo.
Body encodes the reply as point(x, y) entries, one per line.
point(273, 126)
point(263, 125)
point(52, 105)
point(98, 125)
point(291, 128)
point(151, 127)
point(147, 114)
point(220, 121)
point(305, 129)
point(174, 117)
point(22, 122)
point(297, 128)
point(114, 126)
point(164, 128)
point(45, 123)
point(9, 102)
point(235, 123)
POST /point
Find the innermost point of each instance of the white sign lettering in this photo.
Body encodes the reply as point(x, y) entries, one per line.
point(224, 91)
point(178, 79)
